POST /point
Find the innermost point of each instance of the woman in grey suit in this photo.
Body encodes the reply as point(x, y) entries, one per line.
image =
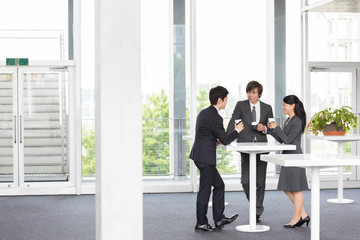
point(292, 180)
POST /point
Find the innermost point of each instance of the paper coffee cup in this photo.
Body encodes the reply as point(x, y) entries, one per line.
point(237, 121)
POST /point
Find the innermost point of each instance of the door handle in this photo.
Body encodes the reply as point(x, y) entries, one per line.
point(20, 129)
point(14, 129)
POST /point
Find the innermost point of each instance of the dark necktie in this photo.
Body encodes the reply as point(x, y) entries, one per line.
point(253, 113)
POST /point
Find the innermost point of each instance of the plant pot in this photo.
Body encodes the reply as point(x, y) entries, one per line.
point(331, 130)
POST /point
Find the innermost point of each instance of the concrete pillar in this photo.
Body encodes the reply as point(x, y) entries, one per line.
point(118, 120)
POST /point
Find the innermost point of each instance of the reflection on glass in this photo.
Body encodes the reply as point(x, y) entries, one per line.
point(334, 36)
point(38, 30)
point(45, 121)
point(6, 127)
point(330, 89)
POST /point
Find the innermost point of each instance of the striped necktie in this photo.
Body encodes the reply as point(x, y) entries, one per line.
point(253, 113)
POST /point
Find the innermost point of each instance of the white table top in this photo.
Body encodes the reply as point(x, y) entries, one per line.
point(257, 147)
point(344, 138)
point(312, 160)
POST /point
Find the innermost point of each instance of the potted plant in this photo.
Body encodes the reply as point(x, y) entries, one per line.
point(337, 122)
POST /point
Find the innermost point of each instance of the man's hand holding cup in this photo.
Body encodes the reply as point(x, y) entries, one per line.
point(239, 125)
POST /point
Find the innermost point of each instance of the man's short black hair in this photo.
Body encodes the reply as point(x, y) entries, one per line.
point(216, 93)
point(254, 84)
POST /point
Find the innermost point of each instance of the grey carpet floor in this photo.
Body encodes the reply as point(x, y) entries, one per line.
point(47, 218)
point(172, 216)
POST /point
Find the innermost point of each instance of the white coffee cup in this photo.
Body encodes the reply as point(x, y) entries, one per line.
point(272, 120)
point(237, 121)
point(254, 125)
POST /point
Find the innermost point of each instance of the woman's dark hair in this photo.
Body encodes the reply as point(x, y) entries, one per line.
point(299, 108)
point(216, 93)
point(254, 84)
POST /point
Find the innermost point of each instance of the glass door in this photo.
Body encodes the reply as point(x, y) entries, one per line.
point(43, 125)
point(333, 87)
point(8, 121)
point(34, 126)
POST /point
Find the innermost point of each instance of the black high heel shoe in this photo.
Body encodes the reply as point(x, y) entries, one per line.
point(294, 225)
point(307, 220)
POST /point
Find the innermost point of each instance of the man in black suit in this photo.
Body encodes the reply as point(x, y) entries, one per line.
point(209, 132)
point(254, 114)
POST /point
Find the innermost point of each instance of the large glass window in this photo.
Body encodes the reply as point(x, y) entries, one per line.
point(332, 89)
point(333, 43)
point(334, 36)
point(155, 86)
point(230, 52)
point(88, 89)
point(36, 29)
point(293, 49)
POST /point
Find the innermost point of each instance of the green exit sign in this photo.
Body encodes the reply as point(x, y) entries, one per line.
point(17, 61)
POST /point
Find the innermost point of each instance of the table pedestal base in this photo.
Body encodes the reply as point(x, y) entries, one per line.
point(340, 201)
point(340, 196)
point(247, 228)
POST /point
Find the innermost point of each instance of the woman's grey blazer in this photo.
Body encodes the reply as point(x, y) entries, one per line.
point(291, 134)
point(291, 178)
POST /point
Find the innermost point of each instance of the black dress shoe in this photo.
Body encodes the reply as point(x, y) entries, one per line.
point(258, 218)
point(225, 220)
point(205, 227)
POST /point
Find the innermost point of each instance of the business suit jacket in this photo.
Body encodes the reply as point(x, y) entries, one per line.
point(291, 134)
point(291, 178)
point(242, 110)
point(209, 128)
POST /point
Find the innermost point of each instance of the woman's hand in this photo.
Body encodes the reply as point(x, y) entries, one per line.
point(271, 125)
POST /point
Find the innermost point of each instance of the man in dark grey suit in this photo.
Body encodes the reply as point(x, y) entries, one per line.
point(209, 131)
point(254, 114)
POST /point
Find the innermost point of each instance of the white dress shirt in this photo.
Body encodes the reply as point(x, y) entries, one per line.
point(257, 109)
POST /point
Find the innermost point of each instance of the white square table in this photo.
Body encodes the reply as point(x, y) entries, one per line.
point(314, 162)
point(340, 140)
point(252, 149)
